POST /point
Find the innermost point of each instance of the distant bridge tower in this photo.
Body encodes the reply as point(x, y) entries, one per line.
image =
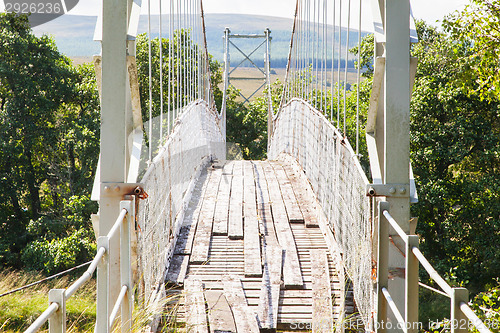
point(264, 72)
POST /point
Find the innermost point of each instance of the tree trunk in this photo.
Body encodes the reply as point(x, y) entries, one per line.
point(31, 182)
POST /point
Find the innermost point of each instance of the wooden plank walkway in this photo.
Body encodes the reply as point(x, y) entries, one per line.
point(251, 243)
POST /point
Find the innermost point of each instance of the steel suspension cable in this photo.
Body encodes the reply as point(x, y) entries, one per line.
point(150, 80)
point(315, 55)
point(346, 62)
point(177, 62)
point(170, 64)
point(161, 70)
point(339, 63)
point(358, 76)
point(333, 63)
point(325, 53)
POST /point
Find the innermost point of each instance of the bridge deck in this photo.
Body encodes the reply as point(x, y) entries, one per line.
point(251, 251)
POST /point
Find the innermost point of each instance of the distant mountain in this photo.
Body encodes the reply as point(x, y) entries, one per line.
point(74, 34)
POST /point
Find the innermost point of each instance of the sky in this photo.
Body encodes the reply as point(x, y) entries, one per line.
point(429, 10)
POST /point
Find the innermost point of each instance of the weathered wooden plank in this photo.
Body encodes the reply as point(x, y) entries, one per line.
point(201, 244)
point(251, 237)
point(177, 269)
point(266, 224)
point(292, 275)
point(220, 316)
point(270, 288)
point(244, 317)
point(322, 294)
point(235, 223)
point(260, 184)
point(228, 167)
point(292, 207)
point(221, 215)
point(196, 316)
point(305, 197)
point(188, 228)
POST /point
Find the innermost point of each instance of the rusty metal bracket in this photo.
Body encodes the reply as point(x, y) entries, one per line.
point(120, 190)
point(388, 190)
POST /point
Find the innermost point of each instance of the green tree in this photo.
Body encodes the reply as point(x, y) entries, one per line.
point(246, 125)
point(478, 27)
point(180, 61)
point(49, 137)
point(455, 151)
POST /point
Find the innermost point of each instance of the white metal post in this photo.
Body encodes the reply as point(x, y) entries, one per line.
point(113, 137)
point(382, 266)
point(102, 309)
point(227, 68)
point(270, 112)
point(411, 286)
point(459, 322)
point(126, 265)
point(57, 322)
point(397, 135)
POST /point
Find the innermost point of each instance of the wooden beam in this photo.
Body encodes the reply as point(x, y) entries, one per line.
point(235, 223)
point(188, 228)
point(220, 316)
point(292, 275)
point(322, 307)
point(196, 315)
point(244, 317)
point(304, 194)
point(221, 216)
point(177, 269)
point(270, 289)
point(251, 237)
point(289, 198)
point(201, 244)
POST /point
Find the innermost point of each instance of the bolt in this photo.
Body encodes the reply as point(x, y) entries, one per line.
point(402, 190)
point(392, 190)
point(117, 188)
point(107, 188)
point(371, 191)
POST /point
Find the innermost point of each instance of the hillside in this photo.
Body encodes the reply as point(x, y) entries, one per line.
point(74, 34)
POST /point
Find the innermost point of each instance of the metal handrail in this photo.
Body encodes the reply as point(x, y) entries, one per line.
point(393, 307)
point(448, 290)
point(478, 323)
point(396, 226)
point(116, 307)
point(117, 224)
point(432, 272)
point(38, 323)
point(54, 306)
point(87, 275)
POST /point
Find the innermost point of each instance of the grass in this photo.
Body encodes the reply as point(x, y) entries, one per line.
point(20, 309)
point(248, 87)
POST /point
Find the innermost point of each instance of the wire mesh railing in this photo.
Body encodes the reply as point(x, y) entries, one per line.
point(175, 68)
point(339, 183)
point(321, 69)
point(321, 111)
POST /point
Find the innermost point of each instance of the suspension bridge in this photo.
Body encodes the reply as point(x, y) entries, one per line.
point(306, 240)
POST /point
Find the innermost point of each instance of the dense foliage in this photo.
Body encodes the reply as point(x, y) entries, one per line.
point(455, 153)
point(455, 146)
point(478, 27)
point(49, 138)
